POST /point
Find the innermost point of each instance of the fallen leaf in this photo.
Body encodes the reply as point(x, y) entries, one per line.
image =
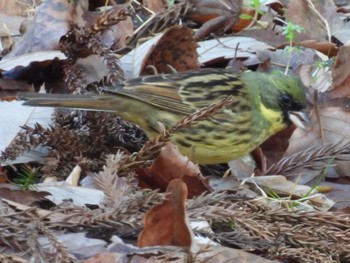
point(21, 196)
point(341, 73)
point(311, 16)
point(215, 15)
point(176, 48)
point(170, 164)
point(156, 6)
point(233, 47)
point(170, 218)
point(333, 126)
point(52, 20)
point(327, 48)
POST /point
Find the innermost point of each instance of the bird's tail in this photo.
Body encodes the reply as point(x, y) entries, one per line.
point(87, 102)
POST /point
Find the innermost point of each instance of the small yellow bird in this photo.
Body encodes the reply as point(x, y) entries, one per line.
point(262, 106)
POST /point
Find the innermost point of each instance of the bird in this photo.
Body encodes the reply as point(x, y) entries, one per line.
point(263, 104)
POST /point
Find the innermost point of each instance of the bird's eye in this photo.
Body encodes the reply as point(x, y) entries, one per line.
point(285, 99)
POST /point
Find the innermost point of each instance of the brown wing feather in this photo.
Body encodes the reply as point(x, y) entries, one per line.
point(182, 93)
point(159, 91)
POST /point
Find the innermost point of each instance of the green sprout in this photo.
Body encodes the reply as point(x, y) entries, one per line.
point(256, 5)
point(290, 31)
point(28, 177)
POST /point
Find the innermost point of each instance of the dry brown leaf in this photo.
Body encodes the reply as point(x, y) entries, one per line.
point(52, 20)
point(21, 196)
point(165, 224)
point(156, 6)
point(215, 15)
point(176, 48)
point(327, 48)
point(333, 127)
point(170, 164)
point(314, 20)
point(341, 74)
point(116, 36)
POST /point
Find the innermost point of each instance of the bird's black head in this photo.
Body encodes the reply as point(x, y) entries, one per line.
point(287, 103)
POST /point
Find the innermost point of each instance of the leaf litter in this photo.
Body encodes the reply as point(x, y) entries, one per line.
point(271, 225)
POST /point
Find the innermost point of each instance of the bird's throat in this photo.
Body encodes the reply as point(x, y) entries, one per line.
point(274, 117)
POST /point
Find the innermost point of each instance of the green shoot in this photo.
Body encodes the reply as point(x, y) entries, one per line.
point(256, 5)
point(28, 178)
point(290, 31)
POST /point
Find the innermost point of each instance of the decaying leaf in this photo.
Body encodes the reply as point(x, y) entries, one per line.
point(341, 73)
point(331, 126)
point(169, 165)
point(169, 217)
point(235, 217)
point(176, 48)
point(22, 196)
point(320, 20)
point(156, 6)
point(51, 21)
point(215, 15)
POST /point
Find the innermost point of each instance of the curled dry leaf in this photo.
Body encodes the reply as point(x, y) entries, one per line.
point(176, 48)
point(170, 164)
point(215, 15)
point(165, 224)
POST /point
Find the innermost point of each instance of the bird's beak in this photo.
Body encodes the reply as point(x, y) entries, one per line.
point(300, 119)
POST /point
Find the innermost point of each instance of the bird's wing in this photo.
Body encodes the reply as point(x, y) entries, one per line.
point(161, 94)
point(181, 93)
